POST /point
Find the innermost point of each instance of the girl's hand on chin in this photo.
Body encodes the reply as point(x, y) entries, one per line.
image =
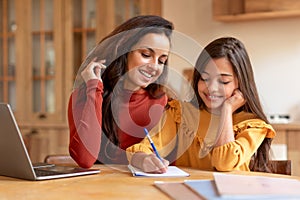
point(236, 101)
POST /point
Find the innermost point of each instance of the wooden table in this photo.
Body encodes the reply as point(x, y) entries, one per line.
point(113, 182)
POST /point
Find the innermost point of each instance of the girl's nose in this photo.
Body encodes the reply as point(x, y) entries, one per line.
point(213, 86)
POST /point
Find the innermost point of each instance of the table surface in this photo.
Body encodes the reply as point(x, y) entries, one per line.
point(113, 182)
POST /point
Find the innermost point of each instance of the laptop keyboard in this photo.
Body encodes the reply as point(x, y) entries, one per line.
point(45, 173)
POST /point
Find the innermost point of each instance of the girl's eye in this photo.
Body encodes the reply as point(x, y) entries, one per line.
point(224, 82)
point(203, 79)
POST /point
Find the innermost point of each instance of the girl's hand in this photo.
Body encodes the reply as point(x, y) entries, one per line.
point(236, 101)
point(153, 164)
point(93, 70)
point(225, 130)
point(149, 163)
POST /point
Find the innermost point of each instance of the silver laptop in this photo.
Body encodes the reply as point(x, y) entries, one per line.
point(15, 161)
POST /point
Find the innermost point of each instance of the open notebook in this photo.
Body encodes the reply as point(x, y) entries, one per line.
point(14, 158)
point(173, 171)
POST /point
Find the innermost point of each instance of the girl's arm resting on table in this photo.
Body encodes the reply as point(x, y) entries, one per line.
point(85, 119)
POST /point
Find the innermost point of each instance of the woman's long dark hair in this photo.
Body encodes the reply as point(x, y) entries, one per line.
point(114, 48)
point(234, 51)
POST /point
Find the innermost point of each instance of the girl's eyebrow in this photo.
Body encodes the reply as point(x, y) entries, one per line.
point(226, 74)
point(221, 75)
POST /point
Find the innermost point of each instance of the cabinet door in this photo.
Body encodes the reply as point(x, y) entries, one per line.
point(88, 21)
point(7, 53)
point(46, 65)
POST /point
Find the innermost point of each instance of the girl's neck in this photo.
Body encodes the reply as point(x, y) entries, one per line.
point(215, 111)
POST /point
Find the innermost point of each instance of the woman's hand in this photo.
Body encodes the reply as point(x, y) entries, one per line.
point(149, 163)
point(93, 70)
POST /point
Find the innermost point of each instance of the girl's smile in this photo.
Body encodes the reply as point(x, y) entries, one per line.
point(217, 83)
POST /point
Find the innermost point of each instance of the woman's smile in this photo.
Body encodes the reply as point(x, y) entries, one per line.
point(146, 74)
point(146, 61)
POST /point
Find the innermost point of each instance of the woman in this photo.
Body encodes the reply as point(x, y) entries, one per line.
point(223, 128)
point(107, 113)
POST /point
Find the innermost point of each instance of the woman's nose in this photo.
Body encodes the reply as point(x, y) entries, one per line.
point(153, 64)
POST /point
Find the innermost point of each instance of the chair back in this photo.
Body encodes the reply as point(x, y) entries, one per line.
point(280, 166)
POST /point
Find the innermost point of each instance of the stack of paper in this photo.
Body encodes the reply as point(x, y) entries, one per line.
point(232, 186)
point(258, 187)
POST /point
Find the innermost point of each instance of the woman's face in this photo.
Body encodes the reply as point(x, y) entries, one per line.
point(146, 61)
point(217, 83)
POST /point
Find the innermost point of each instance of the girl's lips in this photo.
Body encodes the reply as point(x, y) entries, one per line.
point(213, 97)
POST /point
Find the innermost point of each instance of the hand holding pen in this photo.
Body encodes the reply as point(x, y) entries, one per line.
point(160, 164)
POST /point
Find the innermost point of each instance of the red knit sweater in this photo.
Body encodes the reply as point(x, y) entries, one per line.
point(132, 112)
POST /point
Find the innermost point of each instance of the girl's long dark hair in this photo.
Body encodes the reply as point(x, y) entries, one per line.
point(233, 50)
point(114, 48)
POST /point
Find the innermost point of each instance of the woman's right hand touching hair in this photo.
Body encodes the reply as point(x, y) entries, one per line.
point(93, 70)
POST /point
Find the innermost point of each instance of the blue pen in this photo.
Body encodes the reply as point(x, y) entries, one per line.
point(152, 144)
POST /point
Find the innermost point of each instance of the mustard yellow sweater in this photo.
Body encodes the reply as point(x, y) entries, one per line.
point(194, 132)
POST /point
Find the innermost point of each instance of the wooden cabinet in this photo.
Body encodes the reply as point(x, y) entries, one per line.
point(289, 134)
point(8, 48)
point(244, 10)
point(88, 21)
point(44, 140)
point(42, 44)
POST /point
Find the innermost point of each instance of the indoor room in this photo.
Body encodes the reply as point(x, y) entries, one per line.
point(44, 44)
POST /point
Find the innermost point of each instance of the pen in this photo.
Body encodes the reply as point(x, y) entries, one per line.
point(152, 144)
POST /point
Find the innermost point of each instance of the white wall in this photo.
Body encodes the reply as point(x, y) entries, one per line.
point(273, 46)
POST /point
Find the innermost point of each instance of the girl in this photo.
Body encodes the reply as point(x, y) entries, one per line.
point(107, 112)
point(224, 126)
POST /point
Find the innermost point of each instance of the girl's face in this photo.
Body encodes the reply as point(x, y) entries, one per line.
point(217, 83)
point(146, 61)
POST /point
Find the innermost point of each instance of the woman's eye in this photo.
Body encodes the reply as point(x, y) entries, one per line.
point(146, 55)
point(162, 62)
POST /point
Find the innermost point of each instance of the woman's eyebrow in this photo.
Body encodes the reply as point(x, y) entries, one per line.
point(151, 49)
point(146, 47)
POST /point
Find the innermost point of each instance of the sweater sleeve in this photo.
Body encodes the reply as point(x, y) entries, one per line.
point(163, 134)
point(249, 135)
point(85, 119)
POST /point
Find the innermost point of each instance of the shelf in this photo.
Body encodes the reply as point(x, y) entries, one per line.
point(258, 16)
point(293, 126)
point(250, 10)
point(80, 30)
